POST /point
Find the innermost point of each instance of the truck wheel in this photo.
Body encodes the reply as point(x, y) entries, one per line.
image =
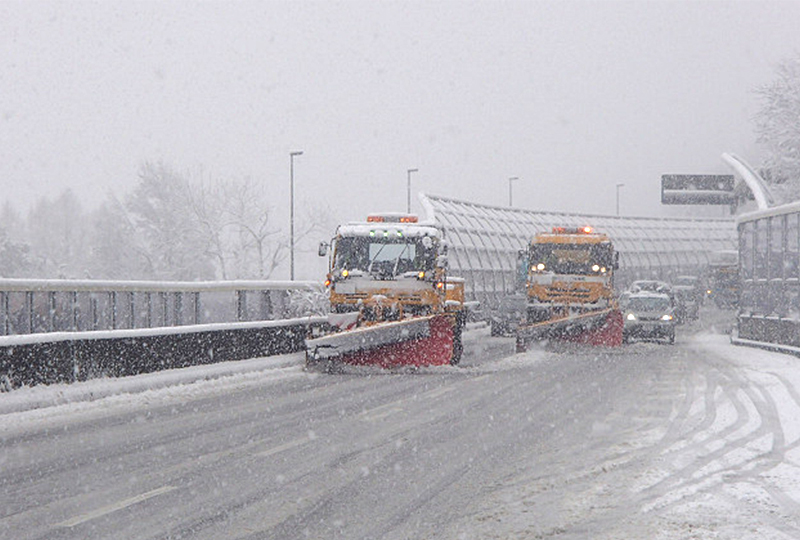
point(458, 349)
point(458, 345)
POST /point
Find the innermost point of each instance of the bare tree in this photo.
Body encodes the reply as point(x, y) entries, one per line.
point(778, 125)
point(207, 201)
point(171, 226)
point(161, 213)
point(14, 253)
point(260, 248)
point(14, 257)
point(57, 234)
point(256, 245)
point(117, 251)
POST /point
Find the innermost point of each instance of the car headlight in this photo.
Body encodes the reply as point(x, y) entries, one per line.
point(630, 317)
point(666, 317)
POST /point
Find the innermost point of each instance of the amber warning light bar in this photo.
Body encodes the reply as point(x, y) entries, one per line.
point(572, 230)
point(392, 218)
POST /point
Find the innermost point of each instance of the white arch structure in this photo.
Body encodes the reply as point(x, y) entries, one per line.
point(484, 240)
point(755, 183)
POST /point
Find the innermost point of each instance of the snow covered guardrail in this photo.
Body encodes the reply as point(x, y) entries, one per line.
point(29, 306)
point(73, 356)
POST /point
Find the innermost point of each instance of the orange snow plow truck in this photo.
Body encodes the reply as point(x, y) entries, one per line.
point(392, 302)
point(570, 288)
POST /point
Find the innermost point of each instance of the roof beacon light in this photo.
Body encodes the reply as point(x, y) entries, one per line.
point(573, 230)
point(392, 218)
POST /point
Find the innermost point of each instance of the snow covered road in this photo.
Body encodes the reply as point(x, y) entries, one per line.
point(699, 440)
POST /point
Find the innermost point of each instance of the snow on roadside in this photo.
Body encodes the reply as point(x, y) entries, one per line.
point(750, 492)
point(51, 405)
point(777, 372)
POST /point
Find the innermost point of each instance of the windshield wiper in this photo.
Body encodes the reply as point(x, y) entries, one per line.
point(372, 261)
point(397, 260)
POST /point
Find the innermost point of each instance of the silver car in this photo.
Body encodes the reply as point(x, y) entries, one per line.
point(649, 316)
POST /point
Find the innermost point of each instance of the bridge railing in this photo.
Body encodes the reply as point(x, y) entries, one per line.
point(30, 306)
point(769, 278)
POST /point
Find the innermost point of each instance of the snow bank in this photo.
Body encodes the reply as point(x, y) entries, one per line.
point(185, 379)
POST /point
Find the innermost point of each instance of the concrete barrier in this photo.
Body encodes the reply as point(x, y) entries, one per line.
point(75, 356)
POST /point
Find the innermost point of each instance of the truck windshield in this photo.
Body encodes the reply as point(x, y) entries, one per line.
point(572, 258)
point(383, 256)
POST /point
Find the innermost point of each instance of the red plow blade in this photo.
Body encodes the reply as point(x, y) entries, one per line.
point(607, 334)
point(599, 329)
point(423, 341)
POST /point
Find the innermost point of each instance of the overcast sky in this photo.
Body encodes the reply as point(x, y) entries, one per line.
point(571, 97)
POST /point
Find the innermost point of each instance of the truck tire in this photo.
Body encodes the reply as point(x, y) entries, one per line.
point(458, 345)
point(495, 330)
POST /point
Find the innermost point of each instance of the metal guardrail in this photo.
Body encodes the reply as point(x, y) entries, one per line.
point(66, 357)
point(47, 305)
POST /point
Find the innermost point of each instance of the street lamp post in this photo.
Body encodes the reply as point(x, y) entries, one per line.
point(408, 207)
point(291, 212)
point(510, 197)
point(618, 186)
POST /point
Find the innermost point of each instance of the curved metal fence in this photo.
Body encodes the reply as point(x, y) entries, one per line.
point(484, 240)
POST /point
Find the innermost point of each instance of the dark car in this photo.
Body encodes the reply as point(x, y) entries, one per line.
point(689, 287)
point(688, 296)
point(506, 318)
point(649, 316)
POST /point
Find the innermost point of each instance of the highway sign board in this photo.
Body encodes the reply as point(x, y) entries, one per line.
point(697, 189)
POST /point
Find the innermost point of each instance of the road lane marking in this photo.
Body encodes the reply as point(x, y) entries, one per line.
point(379, 413)
point(283, 448)
point(442, 390)
point(77, 520)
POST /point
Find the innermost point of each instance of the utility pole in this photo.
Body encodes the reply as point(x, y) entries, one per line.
point(510, 197)
point(291, 211)
point(408, 207)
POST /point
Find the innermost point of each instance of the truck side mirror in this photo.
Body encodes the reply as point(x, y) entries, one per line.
point(323, 249)
point(616, 260)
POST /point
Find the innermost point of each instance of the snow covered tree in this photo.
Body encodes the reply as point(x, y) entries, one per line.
point(260, 245)
point(14, 253)
point(14, 257)
point(778, 126)
point(116, 251)
point(170, 227)
point(57, 234)
point(238, 226)
point(173, 247)
point(12, 222)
